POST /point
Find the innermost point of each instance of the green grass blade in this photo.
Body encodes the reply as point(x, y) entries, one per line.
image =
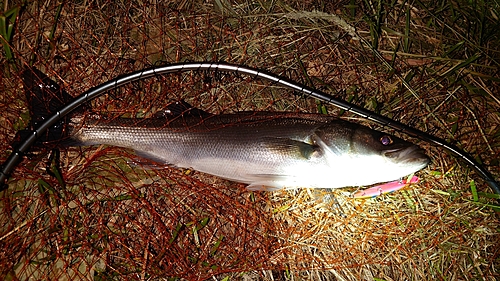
point(406, 40)
point(463, 64)
point(474, 191)
point(7, 22)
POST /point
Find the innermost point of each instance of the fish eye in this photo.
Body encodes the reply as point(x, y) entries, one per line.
point(386, 140)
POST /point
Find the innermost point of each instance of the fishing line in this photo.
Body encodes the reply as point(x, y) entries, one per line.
point(19, 151)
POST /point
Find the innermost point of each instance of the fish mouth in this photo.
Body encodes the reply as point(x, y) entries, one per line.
point(410, 155)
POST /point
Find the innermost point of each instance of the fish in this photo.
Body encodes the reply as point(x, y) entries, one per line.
point(265, 150)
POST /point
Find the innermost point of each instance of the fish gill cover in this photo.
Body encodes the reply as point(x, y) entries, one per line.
point(102, 212)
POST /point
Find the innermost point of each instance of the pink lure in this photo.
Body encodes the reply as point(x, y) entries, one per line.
point(383, 188)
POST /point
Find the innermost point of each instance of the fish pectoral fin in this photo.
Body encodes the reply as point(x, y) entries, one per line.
point(290, 147)
point(328, 149)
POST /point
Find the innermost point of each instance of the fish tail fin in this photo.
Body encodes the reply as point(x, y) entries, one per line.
point(44, 97)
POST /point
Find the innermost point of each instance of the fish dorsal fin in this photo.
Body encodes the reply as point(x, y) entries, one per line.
point(181, 108)
point(290, 147)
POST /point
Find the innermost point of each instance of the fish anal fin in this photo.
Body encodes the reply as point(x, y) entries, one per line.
point(262, 187)
point(152, 157)
point(267, 182)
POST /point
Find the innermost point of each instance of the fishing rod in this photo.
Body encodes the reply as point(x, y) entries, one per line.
point(19, 151)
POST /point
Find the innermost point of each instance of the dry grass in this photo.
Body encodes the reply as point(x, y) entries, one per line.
point(113, 217)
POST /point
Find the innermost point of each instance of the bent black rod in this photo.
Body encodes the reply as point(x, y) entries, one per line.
point(16, 156)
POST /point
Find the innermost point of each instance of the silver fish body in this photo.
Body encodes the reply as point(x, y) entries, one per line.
point(267, 150)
